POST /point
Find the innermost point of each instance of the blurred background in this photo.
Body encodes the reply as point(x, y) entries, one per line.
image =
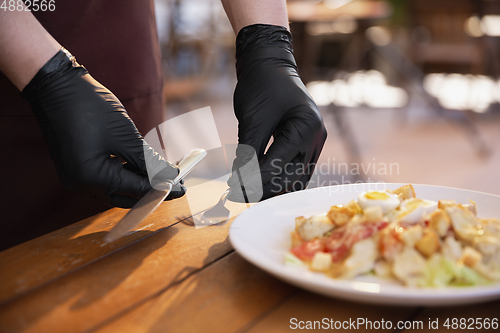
point(409, 89)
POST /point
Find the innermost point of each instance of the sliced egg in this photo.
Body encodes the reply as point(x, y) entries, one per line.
point(414, 210)
point(384, 199)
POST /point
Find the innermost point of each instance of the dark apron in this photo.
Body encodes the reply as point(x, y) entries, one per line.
point(116, 41)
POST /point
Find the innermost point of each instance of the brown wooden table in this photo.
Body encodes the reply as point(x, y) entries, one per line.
point(168, 276)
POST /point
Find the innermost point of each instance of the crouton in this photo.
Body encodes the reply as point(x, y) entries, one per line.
point(340, 215)
point(429, 243)
point(296, 239)
point(358, 218)
point(373, 214)
point(440, 222)
point(412, 235)
point(470, 256)
point(355, 207)
point(299, 221)
point(446, 203)
point(321, 262)
point(405, 192)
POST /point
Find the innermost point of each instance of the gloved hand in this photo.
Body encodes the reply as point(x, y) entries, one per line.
point(88, 131)
point(270, 100)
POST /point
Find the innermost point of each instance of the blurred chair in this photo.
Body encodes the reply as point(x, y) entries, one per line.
point(441, 45)
point(489, 8)
point(438, 24)
point(440, 42)
point(316, 23)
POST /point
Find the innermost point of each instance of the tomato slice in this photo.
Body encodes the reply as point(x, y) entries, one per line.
point(340, 243)
point(390, 243)
point(307, 250)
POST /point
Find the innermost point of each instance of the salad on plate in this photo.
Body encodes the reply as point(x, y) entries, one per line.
point(396, 236)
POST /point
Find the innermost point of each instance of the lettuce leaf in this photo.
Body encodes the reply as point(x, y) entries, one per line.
point(466, 276)
point(291, 260)
point(439, 271)
point(442, 272)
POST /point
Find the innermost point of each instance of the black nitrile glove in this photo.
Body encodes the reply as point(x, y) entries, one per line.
point(270, 100)
point(87, 131)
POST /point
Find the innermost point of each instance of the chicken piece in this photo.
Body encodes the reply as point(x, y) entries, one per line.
point(488, 234)
point(373, 214)
point(315, 226)
point(464, 222)
point(486, 245)
point(470, 256)
point(412, 235)
point(382, 269)
point(440, 222)
point(409, 266)
point(472, 207)
point(405, 192)
point(321, 262)
point(340, 215)
point(492, 261)
point(493, 275)
point(490, 226)
point(452, 248)
point(361, 259)
point(429, 243)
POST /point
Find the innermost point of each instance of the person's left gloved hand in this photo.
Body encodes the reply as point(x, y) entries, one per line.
point(270, 100)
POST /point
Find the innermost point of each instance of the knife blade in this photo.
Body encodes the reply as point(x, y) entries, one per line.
point(148, 203)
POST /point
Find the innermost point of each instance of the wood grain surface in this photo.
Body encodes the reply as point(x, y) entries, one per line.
point(481, 311)
point(35, 263)
point(89, 297)
point(226, 296)
point(306, 306)
point(32, 264)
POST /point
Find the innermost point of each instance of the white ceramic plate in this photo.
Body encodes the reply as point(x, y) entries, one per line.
point(261, 235)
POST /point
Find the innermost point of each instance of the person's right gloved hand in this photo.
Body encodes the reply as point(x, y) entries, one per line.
point(89, 133)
